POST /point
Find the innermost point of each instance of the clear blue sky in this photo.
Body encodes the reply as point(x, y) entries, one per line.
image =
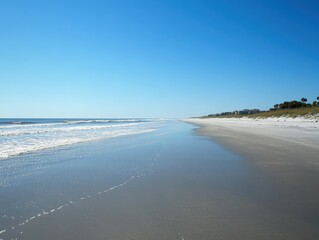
point(155, 58)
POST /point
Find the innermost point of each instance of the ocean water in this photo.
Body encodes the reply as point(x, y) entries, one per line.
point(19, 136)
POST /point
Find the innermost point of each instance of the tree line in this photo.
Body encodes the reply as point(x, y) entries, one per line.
point(295, 104)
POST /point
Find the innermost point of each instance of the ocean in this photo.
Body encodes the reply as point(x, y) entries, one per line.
point(19, 136)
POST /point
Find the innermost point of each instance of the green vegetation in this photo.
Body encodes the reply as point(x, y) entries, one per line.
point(279, 113)
point(293, 104)
point(286, 109)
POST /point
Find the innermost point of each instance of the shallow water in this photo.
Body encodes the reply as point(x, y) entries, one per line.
point(164, 184)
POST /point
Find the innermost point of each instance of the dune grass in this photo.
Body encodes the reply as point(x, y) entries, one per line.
point(298, 112)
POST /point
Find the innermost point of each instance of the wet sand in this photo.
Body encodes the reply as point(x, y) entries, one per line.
point(286, 152)
point(168, 184)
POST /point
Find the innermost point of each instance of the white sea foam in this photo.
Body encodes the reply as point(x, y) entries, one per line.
point(40, 130)
point(181, 236)
point(101, 121)
point(33, 137)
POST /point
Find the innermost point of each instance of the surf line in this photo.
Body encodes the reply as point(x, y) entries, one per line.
point(150, 169)
point(138, 175)
point(72, 202)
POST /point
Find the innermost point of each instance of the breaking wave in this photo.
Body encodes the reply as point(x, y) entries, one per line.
point(18, 138)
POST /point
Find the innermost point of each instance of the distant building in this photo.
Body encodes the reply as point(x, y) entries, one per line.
point(241, 112)
point(249, 111)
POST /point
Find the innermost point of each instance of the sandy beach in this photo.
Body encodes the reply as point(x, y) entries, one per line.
point(276, 141)
point(286, 150)
point(172, 183)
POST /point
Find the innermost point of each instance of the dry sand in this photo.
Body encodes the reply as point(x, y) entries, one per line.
point(277, 141)
point(286, 150)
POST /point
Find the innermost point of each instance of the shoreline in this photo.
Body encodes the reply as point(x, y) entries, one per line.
point(287, 153)
point(265, 141)
point(162, 185)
